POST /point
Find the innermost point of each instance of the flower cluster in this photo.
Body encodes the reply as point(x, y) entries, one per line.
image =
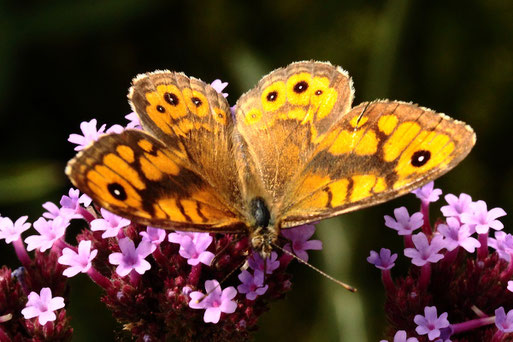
point(457, 269)
point(160, 285)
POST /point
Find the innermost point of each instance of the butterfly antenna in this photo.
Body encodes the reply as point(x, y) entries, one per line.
point(344, 285)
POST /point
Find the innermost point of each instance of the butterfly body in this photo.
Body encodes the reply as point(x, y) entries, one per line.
point(292, 152)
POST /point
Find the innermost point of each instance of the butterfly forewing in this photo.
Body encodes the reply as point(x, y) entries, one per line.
point(134, 175)
point(376, 152)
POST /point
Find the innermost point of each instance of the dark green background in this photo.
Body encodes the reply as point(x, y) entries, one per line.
point(64, 62)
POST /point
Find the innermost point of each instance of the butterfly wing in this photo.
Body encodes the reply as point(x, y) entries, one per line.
point(136, 176)
point(376, 152)
point(279, 122)
point(194, 122)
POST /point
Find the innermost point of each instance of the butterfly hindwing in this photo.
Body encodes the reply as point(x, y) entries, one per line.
point(134, 175)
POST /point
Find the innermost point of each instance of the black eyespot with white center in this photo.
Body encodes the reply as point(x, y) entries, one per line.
point(172, 99)
point(318, 92)
point(300, 87)
point(420, 158)
point(197, 102)
point(272, 96)
point(161, 109)
point(117, 191)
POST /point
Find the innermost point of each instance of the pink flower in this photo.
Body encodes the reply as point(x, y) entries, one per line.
point(430, 323)
point(425, 251)
point(482, 219)
point(131, 258)
point(457, 205)
point(427, 193)
point(400, 336)
point(70, 205)
point(503, 244)
point(252, 285)
point(153, 235)
point(456, 235)
point(110, 223)
point(219, 86)
point(299, 236)
point(403, 223)
point(42, 306)
point(256, 262)
point(90, 134)
point(78, 262)
point(12, 231)
point(193, 247)
point(50, 231)
point(384, 260)
point(134, 121)
point(504, 322)
point(214, 302)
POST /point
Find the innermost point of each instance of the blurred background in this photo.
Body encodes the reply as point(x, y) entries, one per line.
point(64, 62)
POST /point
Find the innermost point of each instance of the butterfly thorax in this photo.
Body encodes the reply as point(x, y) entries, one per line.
point(263, 233)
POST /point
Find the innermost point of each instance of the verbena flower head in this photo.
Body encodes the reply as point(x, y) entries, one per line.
point(12, 231)
point(42, 306)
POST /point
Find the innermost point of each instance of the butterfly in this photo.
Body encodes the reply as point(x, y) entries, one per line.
point(292, 151)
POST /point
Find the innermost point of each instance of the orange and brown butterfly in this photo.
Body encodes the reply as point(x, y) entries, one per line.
point(293, 151)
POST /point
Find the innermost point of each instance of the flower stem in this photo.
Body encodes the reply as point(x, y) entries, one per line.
point(482, 252)
point(98, 278)
point(388, 283)
point(472, 324)
point(21, 253)
point(426, 227)
point(425, 275)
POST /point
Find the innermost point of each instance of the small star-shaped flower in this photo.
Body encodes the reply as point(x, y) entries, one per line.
point(50, 231)
point(12, 231)
point(252, 285)
point(193, 247)
point(504, 322)
point(70, 205)
point(131, 258)
point(257, 263)
point(78, 262)
point(42, 306)
point(482, 219)
point(431, 323)
point(403, 223)
point(510, 285)
point(456, 235)
point(384, 260)
point(214, 302)
point(219, 86)
point(427, 193)
point(90, 134)
point(425, 251)
point(503, 244)
point(298, 237)
point(400, 336)
point(153, 235)
point(134, 121)
point(456, 205)
point(110, 223)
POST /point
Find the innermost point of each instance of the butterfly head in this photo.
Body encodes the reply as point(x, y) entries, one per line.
point(264, 232)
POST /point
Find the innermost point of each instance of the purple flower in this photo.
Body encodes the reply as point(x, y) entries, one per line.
point(424, 251)
point(110, 223)
point(403, 223)
point(299, 236)
point(51, 231)
point(430, 323)
point(400, 336)
point(510, 285)
point(193, 247)
point(456, 235)
point(457, 205)
point(115, 129)
point(90, 134)
point(252, 285)
point(12, 231)
point(504, 323)
point(427, 193)
point(78, 262)
point(503, 244)
point(131, 258)
point(384, 260)
point(219, 86)
point(153, 235)
point(214, 302)
point(256, 262)
point(70, 205)
point(42, 306)
point(134, 121)
point(482, 219)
